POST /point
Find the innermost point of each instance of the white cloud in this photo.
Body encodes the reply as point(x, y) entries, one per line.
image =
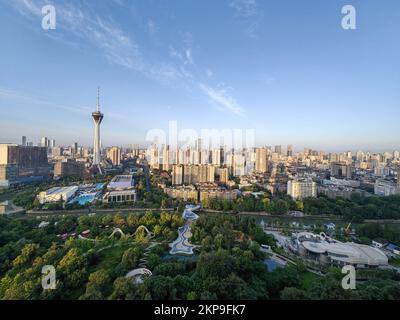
point(102, 33)
point(26, 7)
point(244, 8)
point(267, 79)
point(249, 13)
point(77, 22)
point(175, 53)
point(151, 26)
point(37, 102)
point(184, 57)
point(119, 2)
point(221, 98)
point(188, 54)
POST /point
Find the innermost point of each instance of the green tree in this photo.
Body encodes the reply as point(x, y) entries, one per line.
point(131, 257)
point(160, 287)
point(290, 293)
point(98, 286)
point(122, 289)
point(27, 254)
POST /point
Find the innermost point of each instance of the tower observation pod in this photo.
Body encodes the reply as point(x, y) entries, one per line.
point(97, 118)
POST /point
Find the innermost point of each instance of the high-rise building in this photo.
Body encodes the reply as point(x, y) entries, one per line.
point(191, 174)
point(166, 158)
point(177, 174)
point(75, 148)
point(97, 118)
point(223, 175)
point(52, 143)
point(210, 173)
point(199, 148)
point(360, 156)
point(202, 176)
point(86, 152)
point(239, 165)
point(20, 164)
point(301, 188)
point(44, 142)
point(205, 173)
point(179, 156)
point(261, 160)
point(289, 152)
point(114, 154)
point(278, 150)
point(56, 152)
point(341, 170)
point(24, 141)
point(69, 167)
point(194, 157)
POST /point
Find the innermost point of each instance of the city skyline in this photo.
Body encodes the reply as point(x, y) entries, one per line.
point(311, 85)
point(294, 149)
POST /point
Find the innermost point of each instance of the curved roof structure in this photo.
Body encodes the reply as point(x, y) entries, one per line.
point(137, 274)
point(349, 252)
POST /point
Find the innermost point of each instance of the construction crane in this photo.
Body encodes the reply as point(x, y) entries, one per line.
point(347, 229)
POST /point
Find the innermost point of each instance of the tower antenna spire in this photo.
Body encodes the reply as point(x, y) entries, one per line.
point(98, 98)
point(97, 118)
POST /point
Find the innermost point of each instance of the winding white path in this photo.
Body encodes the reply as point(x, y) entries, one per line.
point(182, 245)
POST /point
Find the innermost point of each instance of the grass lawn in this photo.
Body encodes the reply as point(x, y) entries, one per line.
point(395, 262)
point(110, 258)
point(307, 278)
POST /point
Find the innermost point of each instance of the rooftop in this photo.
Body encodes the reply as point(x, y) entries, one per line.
point(349, 252)
point(57, 190)
point(121, 182)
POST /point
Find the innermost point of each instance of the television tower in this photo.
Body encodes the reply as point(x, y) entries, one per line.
point(97, 118)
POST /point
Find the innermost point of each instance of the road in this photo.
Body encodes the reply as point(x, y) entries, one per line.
point(147, 177)
point(100, 211)
point(310, 217)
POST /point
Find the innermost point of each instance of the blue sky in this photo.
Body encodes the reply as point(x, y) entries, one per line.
point(284, 68)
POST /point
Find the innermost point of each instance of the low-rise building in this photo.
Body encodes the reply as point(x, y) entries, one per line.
point(333, 191)
point(4, 207)
point(217, 194)
point(120, 182)
point(186, 193)
point(119, 196)
point(393, 248)
point(326, 250)
point(120, 189)
point(379, 243)
point(57, 194)
point(386, 188)
point(301, 188)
